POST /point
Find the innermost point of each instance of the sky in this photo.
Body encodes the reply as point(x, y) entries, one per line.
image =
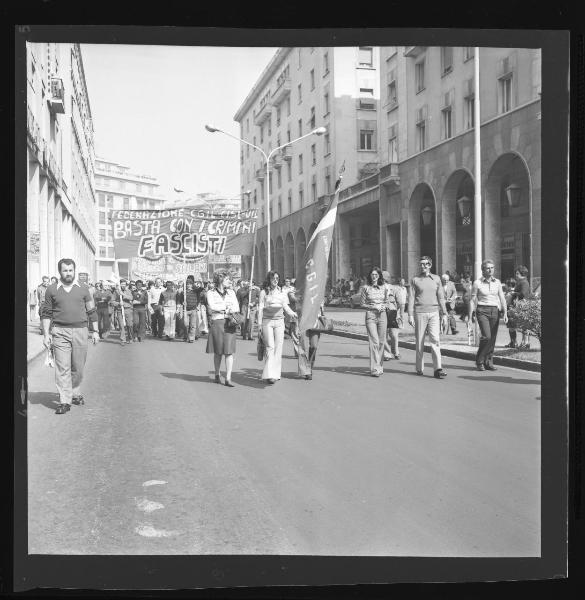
point(150, 104)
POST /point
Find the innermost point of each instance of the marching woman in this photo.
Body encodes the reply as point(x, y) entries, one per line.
point(374, 299)
point(272, 305)
point(221, 341)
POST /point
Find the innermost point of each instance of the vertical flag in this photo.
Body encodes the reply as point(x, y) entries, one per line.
point(312, 272)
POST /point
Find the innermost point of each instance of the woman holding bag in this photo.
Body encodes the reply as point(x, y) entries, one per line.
point(272, 305)
point(374, 298)
point(222, 305)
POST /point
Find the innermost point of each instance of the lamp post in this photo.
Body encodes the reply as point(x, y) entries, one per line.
point(267, 157)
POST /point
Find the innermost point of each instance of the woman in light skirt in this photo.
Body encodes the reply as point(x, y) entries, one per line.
point(221, 302)
point(272, 305)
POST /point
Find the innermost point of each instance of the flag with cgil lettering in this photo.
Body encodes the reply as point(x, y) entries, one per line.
point(312, 272)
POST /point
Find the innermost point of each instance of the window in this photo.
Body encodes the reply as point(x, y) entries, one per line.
point(392, 94)
point(312, 79)
point(102, 235)
point(109, 199)
point(289, 202)
point(289, 170)
point(279, 208)
point(327, 144)
point(278, 178)
point(301, 197)
point(247, 151)
point(288, 106)
point(105, 182)
point(139, 203)
point(421, 125)
point(110, 252)
point(314, 191)
point(102, 252)
point(278, 116)
point(263, 218)
point(327, 184)
point(446, 122)
point(300, 127)
point(366, 139)
point(325, 63)
point(300, 163)
point(468, 53)
point(419, 76)
point(326, 103)
point(247, 125)
point(126, 205)
point(269, 126)
point(392, 144)
point(138, 187)
point(121, 184)
point(469, 104)
point(102, 217)
point(300, 93)
point(312, 119)
point(261, 134)
point(313, 154)
point(365, 57)
point(288, 134)
point(446, 60)
point(255, 197)
point(299, 57)
point(151, 204)
point(505, 92)
point(101, 200)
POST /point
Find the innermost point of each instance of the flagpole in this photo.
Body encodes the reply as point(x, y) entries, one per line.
point(477, 215)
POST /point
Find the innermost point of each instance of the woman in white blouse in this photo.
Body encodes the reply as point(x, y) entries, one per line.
point(272, 305)
point(221, 301)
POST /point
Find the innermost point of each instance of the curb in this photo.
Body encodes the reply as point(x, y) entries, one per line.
point(503, 361)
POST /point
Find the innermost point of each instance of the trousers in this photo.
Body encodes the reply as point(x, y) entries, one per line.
point(139, 320)
point(488, 319)
point(191, 324)
point(306, 356)
point(376, 324)
point(103, 313)
point(169, 314)
point(273, 334)
point(126, 331)
point(70, 351)
point(427, 324)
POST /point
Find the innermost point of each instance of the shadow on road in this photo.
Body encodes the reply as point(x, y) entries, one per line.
point(47, 399)
point(364, 371)
point(350, 356)
point(243, 377)
point(499, 378)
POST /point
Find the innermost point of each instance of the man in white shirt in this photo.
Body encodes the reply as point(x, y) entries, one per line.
point(157, 320)
point(450, 298)
point(487, 297)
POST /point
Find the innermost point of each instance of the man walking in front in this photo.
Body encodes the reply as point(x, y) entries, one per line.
point(450, 293)
point(65, 313)
point(425, 300)
point(487, 297)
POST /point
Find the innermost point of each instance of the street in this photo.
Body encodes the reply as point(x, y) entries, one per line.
point(161, 460)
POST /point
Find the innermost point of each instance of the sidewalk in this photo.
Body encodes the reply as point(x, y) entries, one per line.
point(34, 340)
point(351, 324)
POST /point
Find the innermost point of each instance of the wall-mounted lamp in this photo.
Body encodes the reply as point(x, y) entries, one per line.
point(427, 215)
point(513, 194)
point(464, 203)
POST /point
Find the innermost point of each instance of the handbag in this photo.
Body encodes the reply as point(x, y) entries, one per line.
point(325, 323)
point(260, 348)
point(232, 320)
point(391, 315)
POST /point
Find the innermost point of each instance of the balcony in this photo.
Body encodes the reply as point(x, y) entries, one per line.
point(277, 160)
point(57, 96)
point(414, 51)
point(260, 174)
point(53, 168)
point(286, 153)
point(389, 174)
point(282, 91)
point(263, 113)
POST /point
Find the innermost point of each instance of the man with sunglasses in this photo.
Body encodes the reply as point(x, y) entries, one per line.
point(425, 300)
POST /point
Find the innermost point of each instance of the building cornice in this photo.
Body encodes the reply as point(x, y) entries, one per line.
point(274, 63)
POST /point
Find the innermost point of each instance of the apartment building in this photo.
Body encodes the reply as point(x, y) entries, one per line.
point(302, 89)
point(119, 188)
point(425, 187)
point(60, 162)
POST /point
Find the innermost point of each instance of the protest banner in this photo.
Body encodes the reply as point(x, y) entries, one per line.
point(167, 267)
point(183, 232)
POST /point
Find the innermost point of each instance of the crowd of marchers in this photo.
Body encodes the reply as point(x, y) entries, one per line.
point(220, 308)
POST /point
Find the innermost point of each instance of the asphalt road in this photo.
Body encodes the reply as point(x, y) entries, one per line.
point(161, 460)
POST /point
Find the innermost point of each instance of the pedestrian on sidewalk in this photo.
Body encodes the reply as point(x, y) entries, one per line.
point(41, 290)
point(139, 302)
point(102, 298)
point(450, 293)
point(425, 300)
point(221, 342)
point(374, 298)
point(273, 303)
point(394, 316)
point(522, 292)
point(65, 313)
point(125, 298)
point(312, 336)
point(487, 298)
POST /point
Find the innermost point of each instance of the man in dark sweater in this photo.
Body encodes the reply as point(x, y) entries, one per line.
point(65, 313)
point(190, 306)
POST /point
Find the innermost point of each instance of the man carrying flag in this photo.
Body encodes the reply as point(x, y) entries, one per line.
point(312, 277)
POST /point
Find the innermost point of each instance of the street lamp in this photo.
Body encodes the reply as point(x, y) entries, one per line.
point(317, 131)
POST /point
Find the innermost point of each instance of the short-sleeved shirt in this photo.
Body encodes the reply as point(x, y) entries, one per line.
point(488, 291)
point(272, 304)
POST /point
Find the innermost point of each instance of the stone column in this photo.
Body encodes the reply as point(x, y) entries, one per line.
point(343, 259)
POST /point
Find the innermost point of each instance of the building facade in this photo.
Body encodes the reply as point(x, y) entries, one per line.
point(60, 162)
point(409, 184)
point(302, 89)
point(119, 188)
